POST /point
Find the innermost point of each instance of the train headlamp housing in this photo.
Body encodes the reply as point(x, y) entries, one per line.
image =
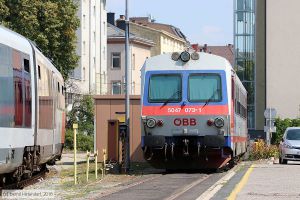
point(185, 56)
point(210, 122)
point(175, 56)
point(195, 56)
point(219, 122)
point(151, 123)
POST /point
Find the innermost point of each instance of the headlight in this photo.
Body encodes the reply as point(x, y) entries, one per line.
point(219, 122)
point(151, 123)
point(185, 56)
point(285, 145)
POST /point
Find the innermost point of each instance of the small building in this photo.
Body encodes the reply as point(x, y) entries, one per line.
point(140, 49)
point(109, 114)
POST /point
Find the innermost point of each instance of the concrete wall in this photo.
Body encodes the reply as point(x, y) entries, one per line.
point(260, 64)
point(283, 60)
point(105, 109)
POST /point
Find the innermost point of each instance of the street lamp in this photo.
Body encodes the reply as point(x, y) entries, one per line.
point(127, 92)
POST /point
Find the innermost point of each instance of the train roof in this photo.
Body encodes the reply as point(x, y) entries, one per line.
point(14, 40)
point(206, 61)
point(21, 43)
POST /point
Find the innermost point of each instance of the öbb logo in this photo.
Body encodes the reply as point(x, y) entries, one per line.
point(185, 122)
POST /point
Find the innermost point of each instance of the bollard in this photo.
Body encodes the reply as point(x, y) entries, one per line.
point(75, 127)
point(87, 165)
point(104, 160)
point(96, 164)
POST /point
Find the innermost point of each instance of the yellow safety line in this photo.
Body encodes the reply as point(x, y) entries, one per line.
point(241, 184)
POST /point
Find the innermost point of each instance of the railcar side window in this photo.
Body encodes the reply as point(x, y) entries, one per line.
point(15, 88)
point(18, 87)
point(7, 96)
point(165, 87)
point(28, 95)
point(203, 87)
point(39, 72)
point(26, 65)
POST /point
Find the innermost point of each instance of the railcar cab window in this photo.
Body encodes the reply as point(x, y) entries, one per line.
point(204, 87)
point(165, 88)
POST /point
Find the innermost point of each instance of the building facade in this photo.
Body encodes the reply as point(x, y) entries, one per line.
point(140, 50)
point(166, 37)
point(282, 26)
point(91, 74)
point(272, 75)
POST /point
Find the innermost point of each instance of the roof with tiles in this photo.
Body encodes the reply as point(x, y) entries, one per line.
point(114, 32)
point(148, 22)
point(224, 51)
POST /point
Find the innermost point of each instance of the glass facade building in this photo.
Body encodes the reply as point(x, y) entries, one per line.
point(244, 44)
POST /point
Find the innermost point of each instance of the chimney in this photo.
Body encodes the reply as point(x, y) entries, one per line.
point(111, 18)
point(122, 17)
point(205, 48)
point(120, 23)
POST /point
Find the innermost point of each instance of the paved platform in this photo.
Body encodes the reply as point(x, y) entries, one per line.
point(263, 180)
point(271, 181)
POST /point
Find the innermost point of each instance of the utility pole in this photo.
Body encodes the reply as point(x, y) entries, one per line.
point(128, 83)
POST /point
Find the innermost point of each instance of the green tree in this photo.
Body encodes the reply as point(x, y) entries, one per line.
point(51, 24)
point(82, 113)
point(281, 125)
point(3, 10)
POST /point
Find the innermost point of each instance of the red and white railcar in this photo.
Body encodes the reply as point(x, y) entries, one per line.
point(194, 111)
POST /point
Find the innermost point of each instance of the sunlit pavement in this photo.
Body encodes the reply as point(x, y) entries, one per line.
point(271, 181)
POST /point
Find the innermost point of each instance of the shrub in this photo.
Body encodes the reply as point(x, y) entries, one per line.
point(260, 150)
point(84, 142)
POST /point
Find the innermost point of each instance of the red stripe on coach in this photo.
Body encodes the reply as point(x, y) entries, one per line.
point(185, 110)
point(238, 139)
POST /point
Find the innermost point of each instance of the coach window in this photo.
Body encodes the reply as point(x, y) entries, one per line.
point(7, 97)
point(204, 87)
point(28, 96)
point(165, 88)
point(18, 87)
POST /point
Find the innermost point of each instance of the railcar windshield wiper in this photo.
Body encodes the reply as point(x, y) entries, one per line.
point(172, 97)
point(209, 100)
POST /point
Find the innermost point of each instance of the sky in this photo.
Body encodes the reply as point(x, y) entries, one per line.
point(202, 21)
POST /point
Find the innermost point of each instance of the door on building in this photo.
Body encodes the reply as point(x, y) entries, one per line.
point(113, 141)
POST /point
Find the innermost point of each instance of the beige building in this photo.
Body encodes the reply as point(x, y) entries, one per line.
point(279, 26)
point(166, 37)
point(140, 50)
point(90, 75)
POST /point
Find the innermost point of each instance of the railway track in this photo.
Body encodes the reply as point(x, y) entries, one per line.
point(26, 182)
